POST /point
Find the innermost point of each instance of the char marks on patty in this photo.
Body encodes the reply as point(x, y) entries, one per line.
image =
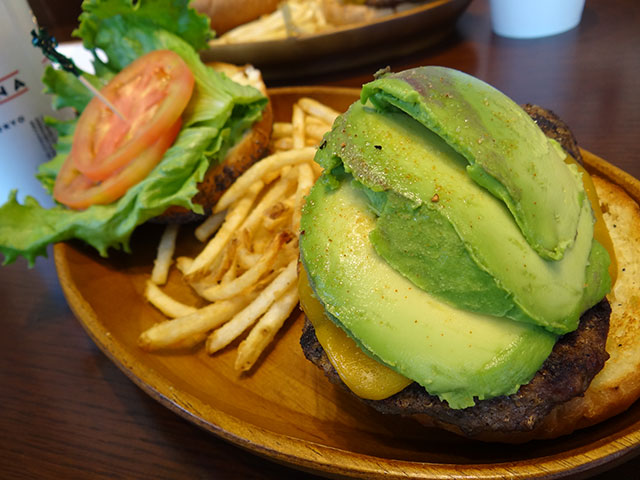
point(554, 127)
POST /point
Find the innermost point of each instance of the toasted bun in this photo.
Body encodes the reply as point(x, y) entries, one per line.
point(251, 147)
point(227, 14)
point(617, 385)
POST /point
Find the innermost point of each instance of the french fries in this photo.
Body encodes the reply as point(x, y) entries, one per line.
point(231, 330)
point(209, 226)
point(165, 255)
point(268, 164)
point(233, 219)
point(251, 276)
point(172, 333)
point(166, 304)
point(245, 273)
point(265, 330)
point(319, 110)
point(291, 19)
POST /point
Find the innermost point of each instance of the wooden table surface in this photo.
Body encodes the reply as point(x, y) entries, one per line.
point(67, 412)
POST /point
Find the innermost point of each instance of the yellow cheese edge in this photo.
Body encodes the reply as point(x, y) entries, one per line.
point(600, 231)
point(365, 377)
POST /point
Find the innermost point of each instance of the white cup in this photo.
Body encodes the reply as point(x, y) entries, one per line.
point(25, 140)
point(534, 18)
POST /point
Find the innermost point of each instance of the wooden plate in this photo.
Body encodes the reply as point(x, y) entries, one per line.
point(346, 47)
point(285, 409)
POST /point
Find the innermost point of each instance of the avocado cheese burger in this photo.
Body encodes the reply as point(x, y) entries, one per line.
point(449, 265)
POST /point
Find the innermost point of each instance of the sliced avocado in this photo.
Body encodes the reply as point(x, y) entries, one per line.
point(428, 253)
point(455, 354)
point(389, 151)
point(507, 153)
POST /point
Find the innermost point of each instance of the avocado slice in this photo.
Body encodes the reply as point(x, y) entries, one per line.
point(455, 354)
point(447, 235)
point(506, 151)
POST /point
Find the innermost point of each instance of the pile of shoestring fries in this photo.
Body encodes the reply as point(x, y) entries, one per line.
point(292, 18)
point(246, 271)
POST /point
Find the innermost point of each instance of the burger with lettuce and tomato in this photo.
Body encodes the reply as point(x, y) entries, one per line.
point(177, 132)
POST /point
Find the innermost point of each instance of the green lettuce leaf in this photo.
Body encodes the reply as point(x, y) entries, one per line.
point(218, 114)
point(172, 16)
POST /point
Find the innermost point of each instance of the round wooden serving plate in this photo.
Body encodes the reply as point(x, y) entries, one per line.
point(285, 409)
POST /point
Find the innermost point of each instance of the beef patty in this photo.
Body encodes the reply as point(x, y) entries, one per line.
point(575, 359)
point(554, 127)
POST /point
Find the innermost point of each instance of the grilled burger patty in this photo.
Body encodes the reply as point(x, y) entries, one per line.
point(554, 127)
point(575, 359)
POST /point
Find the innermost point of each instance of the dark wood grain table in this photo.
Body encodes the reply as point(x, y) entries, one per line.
point(67, 412)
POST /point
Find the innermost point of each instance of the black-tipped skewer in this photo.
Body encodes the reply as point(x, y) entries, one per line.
point(47, 43)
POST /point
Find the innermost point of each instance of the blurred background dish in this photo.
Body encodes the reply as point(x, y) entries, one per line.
point(228, 14)
point(344, 47)
point(286, 410)
point(389, 34)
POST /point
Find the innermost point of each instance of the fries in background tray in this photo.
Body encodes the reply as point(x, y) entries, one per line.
point(246, 271)
point(290, 19)
point(300, 18)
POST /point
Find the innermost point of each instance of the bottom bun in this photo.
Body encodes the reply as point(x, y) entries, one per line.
point(249, 149)
point(617, 385)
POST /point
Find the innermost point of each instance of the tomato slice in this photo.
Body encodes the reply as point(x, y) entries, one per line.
point(76, 190)
point(151, 93)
